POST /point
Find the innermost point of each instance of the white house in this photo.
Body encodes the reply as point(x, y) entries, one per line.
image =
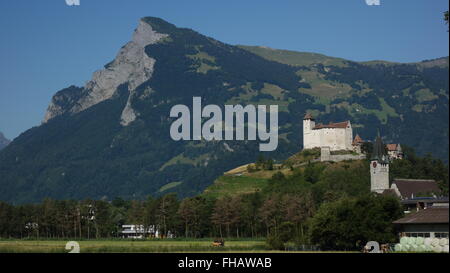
point(394, 151)
point(141, 232)
point(336, 136)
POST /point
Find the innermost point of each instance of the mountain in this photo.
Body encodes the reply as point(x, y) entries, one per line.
point(3, 141)
point(111, 137)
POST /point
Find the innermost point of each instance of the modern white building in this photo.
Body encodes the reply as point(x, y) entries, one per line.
point(335, 136)
point(138, 231)
point(141, 232)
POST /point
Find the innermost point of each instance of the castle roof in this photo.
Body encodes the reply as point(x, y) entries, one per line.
point(343, 124)
point(357, 140)
point(308, 116)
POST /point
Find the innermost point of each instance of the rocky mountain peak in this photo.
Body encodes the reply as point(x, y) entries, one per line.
point(131, 65)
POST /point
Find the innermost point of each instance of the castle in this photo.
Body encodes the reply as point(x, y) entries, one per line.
point(339, 136)
point(335, 136)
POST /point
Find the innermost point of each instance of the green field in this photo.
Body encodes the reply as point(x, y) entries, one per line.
point(129, 246)
point(143, 246)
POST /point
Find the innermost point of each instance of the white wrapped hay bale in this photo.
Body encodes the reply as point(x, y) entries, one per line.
point(429, 248)
point(445, 249)
point(406, 247)
point(427, 241)
point(419, 240)
point(411, 240)
point(443, 242)
point(435, 242)
point(421, 248)
point(404, 240)
point(437, 249)
point(398, 247)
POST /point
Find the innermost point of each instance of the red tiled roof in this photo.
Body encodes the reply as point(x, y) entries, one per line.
point(391, 147)
point(426, 216)
point(332, 125)
point(357, 140)
point(410, 188)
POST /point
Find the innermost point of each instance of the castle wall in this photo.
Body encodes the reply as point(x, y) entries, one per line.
point(349, 137)
point(310, 136)
point(325, 155)
point(335, 138)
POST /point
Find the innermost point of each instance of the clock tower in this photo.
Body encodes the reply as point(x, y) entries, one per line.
point(379, 168)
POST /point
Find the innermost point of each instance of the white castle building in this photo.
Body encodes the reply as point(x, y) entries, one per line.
point(335, 136)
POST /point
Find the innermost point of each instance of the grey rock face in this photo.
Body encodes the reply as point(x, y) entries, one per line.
point(131, 65)
point(128, 113)
point(63, 102)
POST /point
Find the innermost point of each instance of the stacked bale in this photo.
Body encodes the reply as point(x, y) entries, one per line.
point(420, 244)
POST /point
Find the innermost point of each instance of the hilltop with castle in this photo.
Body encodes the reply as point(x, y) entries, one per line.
point(336, 143)
point(338, 136)
point(424, 196)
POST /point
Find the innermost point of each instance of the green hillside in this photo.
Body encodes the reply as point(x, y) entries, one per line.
point(294, 58)
point(326, 181)
point(235, 185)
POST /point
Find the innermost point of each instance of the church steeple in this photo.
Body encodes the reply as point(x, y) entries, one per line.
point(379, 167)
point(379, 150)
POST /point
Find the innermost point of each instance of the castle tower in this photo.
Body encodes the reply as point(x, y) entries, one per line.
point(357, 143)
point(308, 125)
point(379, 168)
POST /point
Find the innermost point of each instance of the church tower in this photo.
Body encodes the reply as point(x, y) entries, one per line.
point(379, 168)
point(308, 125)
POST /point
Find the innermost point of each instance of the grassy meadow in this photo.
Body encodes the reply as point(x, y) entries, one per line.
point(131, 246)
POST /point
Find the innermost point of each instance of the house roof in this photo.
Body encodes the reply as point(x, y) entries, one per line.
point(410, 188)
point(357, 140)
point(431, 215)
point(343, 124)
point(308, 116)
point(391, 147)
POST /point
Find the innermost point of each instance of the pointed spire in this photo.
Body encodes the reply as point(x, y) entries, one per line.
point(379, 152)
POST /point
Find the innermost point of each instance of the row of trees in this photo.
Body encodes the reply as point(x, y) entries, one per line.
point(261, 163)
point(343, 224)
point(251, 215)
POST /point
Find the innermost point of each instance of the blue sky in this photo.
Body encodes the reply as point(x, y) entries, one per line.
point(47, 45)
